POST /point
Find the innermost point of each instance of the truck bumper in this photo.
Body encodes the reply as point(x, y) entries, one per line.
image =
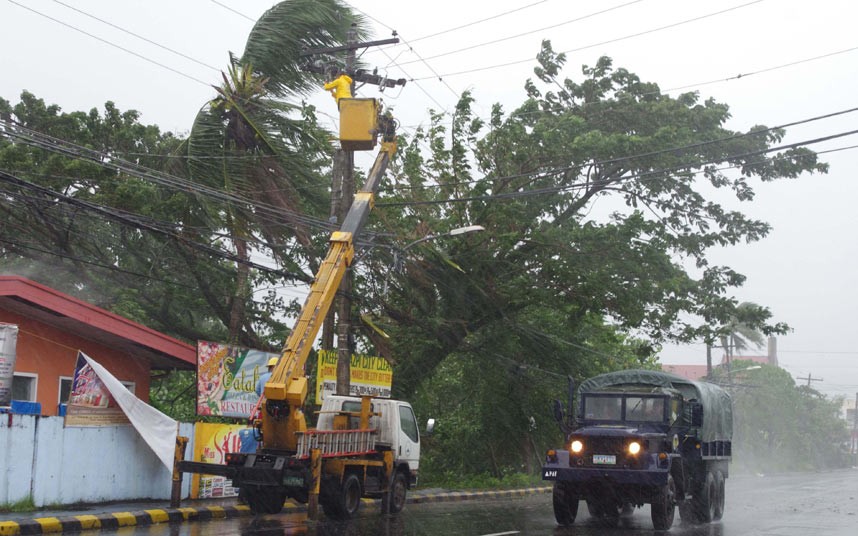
point(651, 475)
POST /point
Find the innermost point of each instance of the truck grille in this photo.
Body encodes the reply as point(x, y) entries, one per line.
point(606, 452)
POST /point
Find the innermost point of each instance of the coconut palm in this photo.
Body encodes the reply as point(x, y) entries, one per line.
point(256, 141)
point(741, 332)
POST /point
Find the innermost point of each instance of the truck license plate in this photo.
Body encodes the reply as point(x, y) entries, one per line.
point(294, 481)
point(604, 459)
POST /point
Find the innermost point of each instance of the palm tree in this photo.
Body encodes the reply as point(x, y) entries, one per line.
point(254, 141)
point(741, 331)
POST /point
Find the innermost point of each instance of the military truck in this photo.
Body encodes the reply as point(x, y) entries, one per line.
point(642, 437)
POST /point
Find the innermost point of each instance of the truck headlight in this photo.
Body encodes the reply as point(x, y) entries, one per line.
point(576, 446)
point(634, 447)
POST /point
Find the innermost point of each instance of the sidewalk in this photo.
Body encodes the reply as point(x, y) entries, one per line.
point(115, 515)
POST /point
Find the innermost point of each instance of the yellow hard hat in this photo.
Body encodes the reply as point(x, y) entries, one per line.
point(273, 361)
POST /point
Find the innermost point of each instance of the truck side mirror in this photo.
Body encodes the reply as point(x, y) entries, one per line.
point(696, 414)
point(430, 426)
point(558, 410)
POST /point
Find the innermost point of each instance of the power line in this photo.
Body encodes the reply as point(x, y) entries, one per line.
point(129, 220)
point(49, 143)
point(480, 21)
point(516, 36)
point(638, 34)
point(557, 189)
point(114, 45)
point(129, 32)
point(240, 14)
point(643, 155)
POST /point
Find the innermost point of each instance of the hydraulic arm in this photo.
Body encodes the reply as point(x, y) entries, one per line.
point(286, 390)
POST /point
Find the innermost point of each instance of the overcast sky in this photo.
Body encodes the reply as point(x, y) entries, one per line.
point(797, 60)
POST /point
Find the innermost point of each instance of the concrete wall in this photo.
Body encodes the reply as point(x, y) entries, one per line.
point(56, 465)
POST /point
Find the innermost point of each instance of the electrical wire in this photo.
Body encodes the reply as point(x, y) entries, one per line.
point(114, 45)
point(670, 150)
point(623, 38)
point(128, 220)
point(516, 36)
point(240, 14)
point(644, 175)
point(129, 32)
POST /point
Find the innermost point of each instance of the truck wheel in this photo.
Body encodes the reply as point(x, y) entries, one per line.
point(703, 501)
point(342, 501)
point(720, 489)
point(264, 500)
point(663, 506)
point(394, 500)
point(565, 503)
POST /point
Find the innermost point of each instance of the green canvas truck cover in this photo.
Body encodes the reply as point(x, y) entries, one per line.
point(717, 405)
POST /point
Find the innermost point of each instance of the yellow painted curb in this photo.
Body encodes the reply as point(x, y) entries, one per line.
point(9, 528)
point(49, 524)
point(88, 522)
point(158, 516)
point(125, 519)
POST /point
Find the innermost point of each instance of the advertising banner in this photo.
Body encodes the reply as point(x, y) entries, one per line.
point(212, 442)
point(227, 377)
point(90, 402)
point(95, 395)
point(370, 376)
point(8, 345)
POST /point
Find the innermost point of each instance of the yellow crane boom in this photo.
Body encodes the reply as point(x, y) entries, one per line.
point(286, 389)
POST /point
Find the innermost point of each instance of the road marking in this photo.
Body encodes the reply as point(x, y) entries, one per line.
point(503, 533)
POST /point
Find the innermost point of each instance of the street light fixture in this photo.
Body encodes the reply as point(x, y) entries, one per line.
point(398, 252)
point(452, 232)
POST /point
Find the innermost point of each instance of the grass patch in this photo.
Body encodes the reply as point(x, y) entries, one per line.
point(24, 505)
point(456, 481)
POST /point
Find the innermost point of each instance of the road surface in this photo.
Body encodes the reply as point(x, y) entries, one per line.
point(815, 504)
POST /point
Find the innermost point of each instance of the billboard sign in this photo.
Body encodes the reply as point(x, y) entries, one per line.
point(370, 375)
point(226, 378)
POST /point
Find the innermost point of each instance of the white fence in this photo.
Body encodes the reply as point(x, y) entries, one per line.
point(56, 465)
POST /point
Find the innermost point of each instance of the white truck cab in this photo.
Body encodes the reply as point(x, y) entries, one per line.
point(393, 421)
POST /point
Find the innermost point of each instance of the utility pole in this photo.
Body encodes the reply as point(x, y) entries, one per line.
point(855, 426)
point(809, 379)
point(343, 180)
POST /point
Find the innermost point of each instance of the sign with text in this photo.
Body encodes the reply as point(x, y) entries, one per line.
point(8, 345)
point(227, 377)
point(90, 402)
point(370, 376)
point(212, 442)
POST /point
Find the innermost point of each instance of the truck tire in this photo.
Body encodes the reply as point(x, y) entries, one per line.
point(720, 489)
point(394, 500)
point(565, 503)
point(663, 507)
point(264, 500)
point(342, 501)
point(704, 498)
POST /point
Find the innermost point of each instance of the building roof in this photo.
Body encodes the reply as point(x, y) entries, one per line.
point(49, 306)
point(691, 372)
point(755, 358)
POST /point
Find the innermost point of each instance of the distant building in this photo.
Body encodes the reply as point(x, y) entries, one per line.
point(53, 326)
point(697, 372)
point(691, 372)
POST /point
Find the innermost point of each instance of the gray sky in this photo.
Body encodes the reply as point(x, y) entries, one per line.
point(796, 59)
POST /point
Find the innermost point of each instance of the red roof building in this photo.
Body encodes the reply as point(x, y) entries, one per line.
point(53, 327)
point(691, 372)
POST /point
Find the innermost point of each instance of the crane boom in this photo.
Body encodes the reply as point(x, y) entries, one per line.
point(287, 388)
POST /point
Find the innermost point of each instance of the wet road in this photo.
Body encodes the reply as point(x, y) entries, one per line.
point(817, 504)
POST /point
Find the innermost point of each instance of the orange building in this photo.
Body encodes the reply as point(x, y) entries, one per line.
point(53, 326)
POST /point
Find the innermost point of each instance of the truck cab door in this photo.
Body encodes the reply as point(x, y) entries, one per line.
point(408, 448)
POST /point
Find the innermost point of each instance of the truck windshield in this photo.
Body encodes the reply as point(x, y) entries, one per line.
point(629, 408)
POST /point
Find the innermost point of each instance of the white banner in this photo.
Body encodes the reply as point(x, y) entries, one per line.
point(8, 345)
point(158, 430)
